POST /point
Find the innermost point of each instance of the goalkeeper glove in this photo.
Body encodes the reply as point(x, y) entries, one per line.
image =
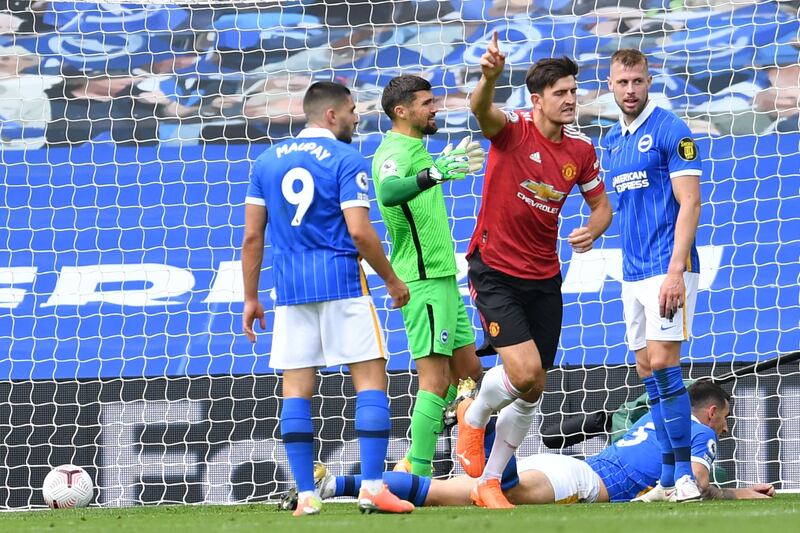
point(453, 163)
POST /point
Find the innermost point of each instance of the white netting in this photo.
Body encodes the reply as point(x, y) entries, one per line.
point(127, 133)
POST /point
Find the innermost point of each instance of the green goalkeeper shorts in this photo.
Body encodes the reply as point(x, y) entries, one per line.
point(435, 317)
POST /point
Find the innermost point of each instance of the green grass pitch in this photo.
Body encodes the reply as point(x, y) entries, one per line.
point(779, 515)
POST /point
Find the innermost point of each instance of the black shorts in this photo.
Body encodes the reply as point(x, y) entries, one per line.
point(515, 310)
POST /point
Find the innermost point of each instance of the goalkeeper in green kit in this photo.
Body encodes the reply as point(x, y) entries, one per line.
point(440, 335)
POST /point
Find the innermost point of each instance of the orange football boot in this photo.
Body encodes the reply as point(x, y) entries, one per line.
point(489, 495)
point(469, 447)
point(383, 502)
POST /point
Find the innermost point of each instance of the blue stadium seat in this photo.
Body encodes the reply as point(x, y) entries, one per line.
point(241, 31)
point(90, 17)
point(480, 10)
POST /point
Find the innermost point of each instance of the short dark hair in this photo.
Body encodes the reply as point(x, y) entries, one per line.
point(400, 91)
point(705, 392)
point(324, 95)
point(546, 72)
point(629, 57)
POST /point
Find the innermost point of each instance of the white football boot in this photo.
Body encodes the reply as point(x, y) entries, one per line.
point(686, 490)
point(656, 494)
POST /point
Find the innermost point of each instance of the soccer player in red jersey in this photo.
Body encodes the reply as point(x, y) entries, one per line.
point(536, 157)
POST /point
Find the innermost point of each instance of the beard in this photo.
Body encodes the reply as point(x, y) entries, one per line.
point(346, 136)
point(636, 110)
point(429, 129)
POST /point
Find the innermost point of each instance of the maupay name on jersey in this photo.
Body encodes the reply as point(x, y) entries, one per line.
point(305, 183)
point(313, 148)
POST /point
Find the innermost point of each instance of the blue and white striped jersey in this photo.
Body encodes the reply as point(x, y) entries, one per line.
point(305, 183)
point(633, 464)
point(640, 162)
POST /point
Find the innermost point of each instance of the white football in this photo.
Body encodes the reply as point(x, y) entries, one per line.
point(67, 486)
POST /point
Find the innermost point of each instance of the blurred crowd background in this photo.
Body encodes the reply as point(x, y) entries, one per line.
point(231, 72)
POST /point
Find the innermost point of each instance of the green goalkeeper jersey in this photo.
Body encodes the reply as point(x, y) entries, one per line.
point(422, 245)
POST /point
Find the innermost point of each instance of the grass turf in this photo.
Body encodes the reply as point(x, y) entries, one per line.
point(778, 515)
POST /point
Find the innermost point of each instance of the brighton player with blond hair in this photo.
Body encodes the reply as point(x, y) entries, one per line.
point(654, 165)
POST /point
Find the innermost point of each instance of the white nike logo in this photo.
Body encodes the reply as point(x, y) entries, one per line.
point(464, 460)
point(670, 420)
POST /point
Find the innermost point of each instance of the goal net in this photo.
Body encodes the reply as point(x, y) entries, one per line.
point(127, 132)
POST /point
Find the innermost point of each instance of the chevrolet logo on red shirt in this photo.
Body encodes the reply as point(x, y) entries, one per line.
point(543, 191)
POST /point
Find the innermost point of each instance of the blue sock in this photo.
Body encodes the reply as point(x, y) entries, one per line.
point(347, 485)
point(510, 478)
point(409, 487)
point(406, 486)
point(297, 432)
point(372, 429)
point(677, 412)
point(667, 478)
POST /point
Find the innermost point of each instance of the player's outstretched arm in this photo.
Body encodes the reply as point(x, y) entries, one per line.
point(369, 247)
point(481, 101)
point(712, 492)
point(452, 164)
point(255, 225)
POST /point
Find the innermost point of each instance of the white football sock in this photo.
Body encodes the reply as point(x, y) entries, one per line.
point(373, 486)
point(513, 424)
point(306, 494)
point(496, 392)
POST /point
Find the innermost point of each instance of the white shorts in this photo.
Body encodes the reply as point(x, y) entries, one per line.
point(643, 321)
point(322, 334)
point(573, 480)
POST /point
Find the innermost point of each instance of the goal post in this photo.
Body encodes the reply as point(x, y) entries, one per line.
point(127, 135)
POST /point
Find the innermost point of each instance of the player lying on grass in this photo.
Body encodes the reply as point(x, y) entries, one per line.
point(629, 467)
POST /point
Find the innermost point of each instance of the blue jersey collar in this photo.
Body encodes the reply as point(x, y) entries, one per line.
point(646, 112)
point(316, 132)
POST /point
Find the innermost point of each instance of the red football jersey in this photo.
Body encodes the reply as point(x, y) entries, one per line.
point(527, 181)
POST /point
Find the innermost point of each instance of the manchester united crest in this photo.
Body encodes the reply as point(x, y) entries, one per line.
point(569, 171)
point(494, 329)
